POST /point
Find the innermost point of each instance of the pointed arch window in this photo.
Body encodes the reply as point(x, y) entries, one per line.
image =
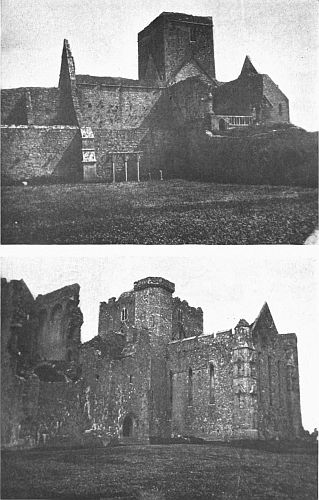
point(280, 109)
point(270, 380)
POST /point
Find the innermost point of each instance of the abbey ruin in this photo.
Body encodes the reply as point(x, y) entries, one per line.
point(150, 373)
point(118, 129)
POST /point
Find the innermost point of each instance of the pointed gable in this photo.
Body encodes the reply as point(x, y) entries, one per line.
point(264, 323)
point(248, 68)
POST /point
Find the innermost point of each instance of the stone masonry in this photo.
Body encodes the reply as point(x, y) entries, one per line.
point(119, 129)
point(149, 374)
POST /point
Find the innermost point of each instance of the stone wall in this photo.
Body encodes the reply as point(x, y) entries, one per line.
point(19, 392)
point(278, 110)
point(117, 315)
point(117, 387)
point(60, 320)
point(187, 320)
point(170, 41)
point(201, 385)
point(30, 106)
point(116, 107)
point(40, 153)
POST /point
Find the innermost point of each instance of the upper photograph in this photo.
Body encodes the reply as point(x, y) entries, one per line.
point(191, 141)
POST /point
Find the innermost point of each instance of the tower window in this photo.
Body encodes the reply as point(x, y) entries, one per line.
point(124, 314)
point(280, 109)
point(190, 387)
point(179, 315)
point(192, 34)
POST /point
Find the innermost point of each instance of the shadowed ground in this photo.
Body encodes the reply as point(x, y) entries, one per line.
point(163, 472)
point(169, 212)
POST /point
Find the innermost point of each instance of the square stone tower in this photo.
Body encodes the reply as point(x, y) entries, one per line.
point(173, 40)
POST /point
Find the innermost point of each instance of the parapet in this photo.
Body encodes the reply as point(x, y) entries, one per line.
point(154, 282)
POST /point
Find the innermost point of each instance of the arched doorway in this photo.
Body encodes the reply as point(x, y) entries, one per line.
point(128, 426)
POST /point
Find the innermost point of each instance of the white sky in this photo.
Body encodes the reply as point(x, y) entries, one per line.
point(281, 36)
point(228, 282)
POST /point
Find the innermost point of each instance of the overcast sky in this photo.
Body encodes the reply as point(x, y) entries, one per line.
point(281, 36)
point(229, 283)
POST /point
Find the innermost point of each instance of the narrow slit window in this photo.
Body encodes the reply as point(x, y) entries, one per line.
point(211, 384)
point(190, 387)
point(124, 314)
point(269, 380)
point(280, 109)
point(192, 34)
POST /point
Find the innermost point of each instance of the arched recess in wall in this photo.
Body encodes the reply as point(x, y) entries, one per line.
point(211, 383)
point(130, 426)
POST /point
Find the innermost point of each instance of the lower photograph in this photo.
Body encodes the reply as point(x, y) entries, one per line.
point(159, 373)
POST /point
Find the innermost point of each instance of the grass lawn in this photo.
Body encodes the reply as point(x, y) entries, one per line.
point(169, 212)
point(161, 472)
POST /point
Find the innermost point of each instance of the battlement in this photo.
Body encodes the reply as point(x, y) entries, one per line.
point(154, 282)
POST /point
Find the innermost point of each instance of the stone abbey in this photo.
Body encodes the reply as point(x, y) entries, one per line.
point(150, 374)
point(118, 129)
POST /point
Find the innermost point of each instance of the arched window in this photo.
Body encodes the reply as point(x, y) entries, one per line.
point(111, 324)
point(179, 315)
point(190, 387)
point(280, 109)
point(55, 320)
point(211, 384)
point(240, 367)
point(192, 34)
point(124, 314)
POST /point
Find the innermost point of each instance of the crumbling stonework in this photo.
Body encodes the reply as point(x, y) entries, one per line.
point(149, 374)
point(138, 129)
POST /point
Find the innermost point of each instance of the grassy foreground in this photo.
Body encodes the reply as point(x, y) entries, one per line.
point(169, 212)
point(162, 472)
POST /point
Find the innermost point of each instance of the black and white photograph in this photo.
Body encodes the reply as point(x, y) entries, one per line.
point(159, 249)
point(160, 376)
point(167, 122)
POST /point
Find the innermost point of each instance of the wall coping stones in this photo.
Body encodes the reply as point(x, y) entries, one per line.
point(47, 127)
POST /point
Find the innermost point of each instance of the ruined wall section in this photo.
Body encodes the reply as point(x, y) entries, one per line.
point(117, 315)
point(40, 154)
point(19, 388)
point(116, 106)
point(60, 320)
point(277, 383)
point(30, 106)
point(187, 320)
point(117, 386)
point(201, 386)
point(289, 376)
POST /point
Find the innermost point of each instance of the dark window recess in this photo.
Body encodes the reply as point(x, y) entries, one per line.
point(280, 109)
point(192, 35)
point(124, 314)
point(211, 384)
point(190, 387)
point(89, 105)
point(131, 379)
